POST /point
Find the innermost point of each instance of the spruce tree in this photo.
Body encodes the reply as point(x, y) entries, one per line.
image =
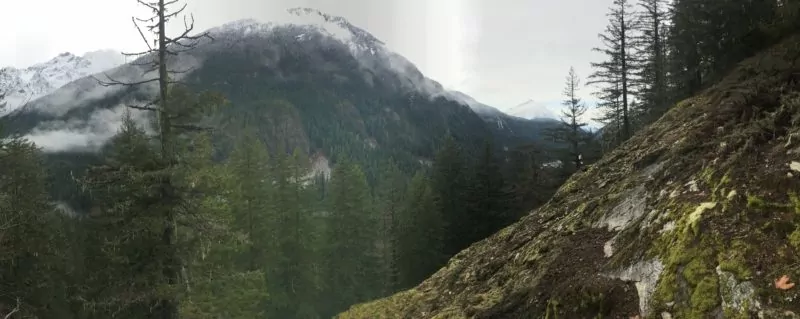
point(390, 198)
point(572, 126)
point(31, 275)
point(420, 234)
point(709, 37)
point(650, 83)
point(350, 256)
point(529, 185)
point(176, 112)
point(126, 222)
point(160, 197)
point(219, 283)
point(290, 258)
point(250, 191)
point(614, 75)
point(487, 209)
point(449, 187)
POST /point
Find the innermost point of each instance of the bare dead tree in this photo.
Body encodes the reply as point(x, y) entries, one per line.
point(155, 59)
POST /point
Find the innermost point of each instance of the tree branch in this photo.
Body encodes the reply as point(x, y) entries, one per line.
point(146, 107)
point(112, 81)
point(13, 311)
point(141, 33)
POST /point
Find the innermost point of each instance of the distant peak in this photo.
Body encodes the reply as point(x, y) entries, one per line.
point(359, 40)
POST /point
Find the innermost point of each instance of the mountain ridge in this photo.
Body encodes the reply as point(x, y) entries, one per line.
point(306, 30)
point(27, 84)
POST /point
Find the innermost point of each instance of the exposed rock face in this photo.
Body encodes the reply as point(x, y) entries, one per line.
point(697, 216)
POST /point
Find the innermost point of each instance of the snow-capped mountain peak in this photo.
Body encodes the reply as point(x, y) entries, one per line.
point(357, 39)
point(531, 109)
point(21, 86)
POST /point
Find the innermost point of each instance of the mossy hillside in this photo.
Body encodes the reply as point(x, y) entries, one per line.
point(705, 192)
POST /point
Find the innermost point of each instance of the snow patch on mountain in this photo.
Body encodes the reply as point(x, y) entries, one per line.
point(367, 49)
point(21, 86)
point(358, 40)
point(531, 109)
point(302, 25)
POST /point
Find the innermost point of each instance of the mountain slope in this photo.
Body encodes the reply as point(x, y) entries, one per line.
point(312, 82)
point(697, 216)
point(24, 85)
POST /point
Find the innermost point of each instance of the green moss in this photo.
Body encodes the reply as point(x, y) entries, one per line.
point(795, 200)
point(487, 300)
point(667, 288)
point(755, 202)
point(695, 216)
point(737, 268)
point(733, 261)
point(705, 297)
point(696, 270)
point(758, 203)
point(743, 313)
point(794, 238)
point(582, 207)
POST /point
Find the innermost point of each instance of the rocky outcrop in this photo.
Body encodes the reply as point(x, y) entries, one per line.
point(697, 216)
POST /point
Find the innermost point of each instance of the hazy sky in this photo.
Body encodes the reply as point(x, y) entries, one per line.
point(501, 52)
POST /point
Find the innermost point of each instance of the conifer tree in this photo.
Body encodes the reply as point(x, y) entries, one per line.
point(614, 75)
point(250, 191)
point(529, 185)
point(30, 238)
point(487, 209)
point(350, 255)
point(218, 283)
point(649, 44)
point(420, 233)
point(290, 257)
point(572, 126)
point(707, 38)
point(390, 198)
point(176, 111)
point(126, 221)
point(162, 197)
point(449, 187)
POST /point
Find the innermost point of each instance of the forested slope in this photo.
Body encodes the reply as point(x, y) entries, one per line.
point(695, 216)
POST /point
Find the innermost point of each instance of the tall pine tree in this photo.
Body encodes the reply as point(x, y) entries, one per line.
point(449, 187)
point(487, 210)
point(30, 237)
point(390, 198)
point(650, 83)
point(572, 126)
point(614, 75)
point(351, 256)
point(420, 234)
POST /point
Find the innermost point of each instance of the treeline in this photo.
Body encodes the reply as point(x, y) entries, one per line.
point(658, 52)
point(257, 235)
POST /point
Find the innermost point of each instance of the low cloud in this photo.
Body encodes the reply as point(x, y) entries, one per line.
point(84, 135)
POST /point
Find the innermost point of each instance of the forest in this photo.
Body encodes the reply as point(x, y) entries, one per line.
point(172, 229)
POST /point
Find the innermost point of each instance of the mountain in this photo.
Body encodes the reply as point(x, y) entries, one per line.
point(312, 81)
point(24, 85)
point(696, 216)
point(531, 109)
point(516, 130)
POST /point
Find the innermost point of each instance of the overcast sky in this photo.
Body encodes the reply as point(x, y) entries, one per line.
point(501, 52)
